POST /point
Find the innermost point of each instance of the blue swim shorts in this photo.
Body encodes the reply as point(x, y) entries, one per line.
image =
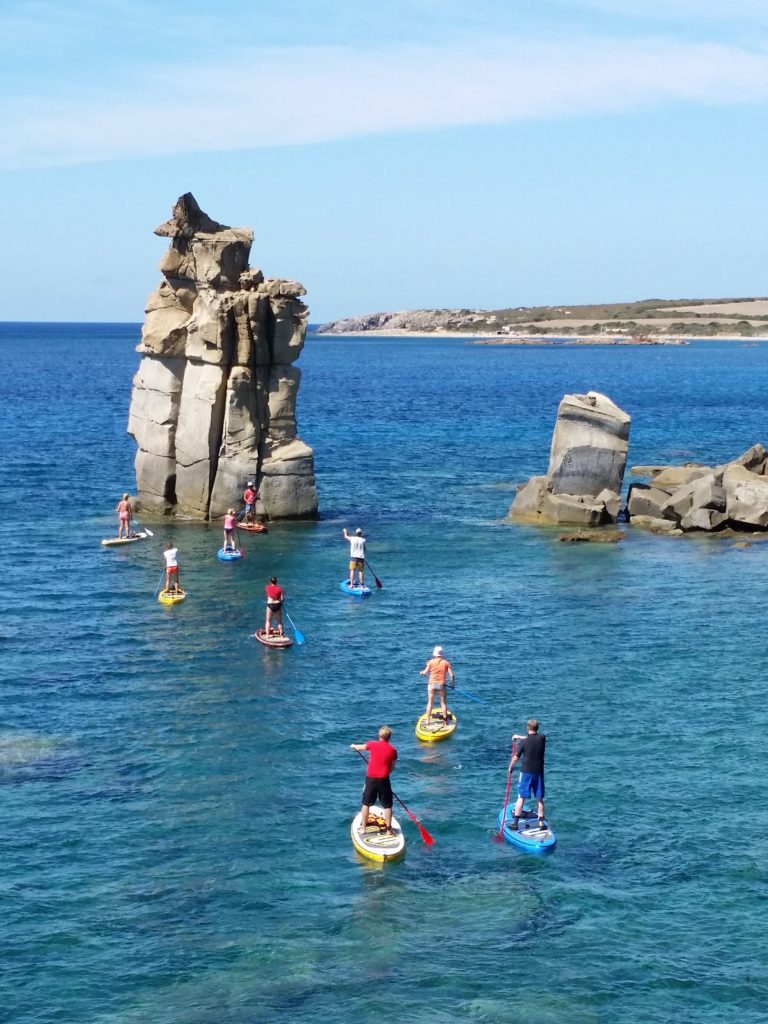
point(530, 785)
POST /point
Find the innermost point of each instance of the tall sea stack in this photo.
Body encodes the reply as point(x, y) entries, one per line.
point(214, 399)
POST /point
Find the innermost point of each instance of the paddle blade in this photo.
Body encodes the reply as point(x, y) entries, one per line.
point(379, 584)
point(428, 840)
point(299, 635)
point(148, 532)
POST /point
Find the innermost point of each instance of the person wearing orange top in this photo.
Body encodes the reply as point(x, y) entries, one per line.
point(437, 668)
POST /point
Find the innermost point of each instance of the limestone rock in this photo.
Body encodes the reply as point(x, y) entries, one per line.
point(754, 459)
point(645, 500)
point(529, 497)
point(707, 493)
point(655, 525)
point(586, 466)
point(702, 519)
point(746, 496)
point(572, 509)
point(589, 446)
point(592, 537)
point(679, 503)
point(706, 498)
point(672, 477)
point(288, 480)
point(214, 399)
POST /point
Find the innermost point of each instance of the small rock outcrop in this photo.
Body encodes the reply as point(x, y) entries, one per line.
point(214, 398)
point(582, 486)
point(697, 497)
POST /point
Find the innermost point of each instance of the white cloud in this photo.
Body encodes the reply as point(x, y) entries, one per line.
point(256, 98)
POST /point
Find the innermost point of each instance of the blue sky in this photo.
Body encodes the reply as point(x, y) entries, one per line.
point(389, 156)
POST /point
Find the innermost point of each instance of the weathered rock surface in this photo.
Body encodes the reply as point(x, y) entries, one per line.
point(592, 537)
point(696, 497)
point(586, 466)
point(214, 399)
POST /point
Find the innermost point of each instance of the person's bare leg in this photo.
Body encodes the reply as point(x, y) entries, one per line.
point(540, 809)
point(364, 819)
point(430, 699)
point(388, 818)
point(519, 807)
point(279, 619)
point(443, 705)
point(167, 581)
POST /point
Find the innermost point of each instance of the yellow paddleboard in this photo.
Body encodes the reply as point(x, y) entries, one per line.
point(436, 729)
point(171, 596)
point(377, 844)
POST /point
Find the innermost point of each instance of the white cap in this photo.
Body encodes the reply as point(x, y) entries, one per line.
point(358, 531)
point(250, 483)
point(438, 652)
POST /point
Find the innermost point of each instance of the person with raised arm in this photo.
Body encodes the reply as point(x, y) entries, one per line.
point(356, 555)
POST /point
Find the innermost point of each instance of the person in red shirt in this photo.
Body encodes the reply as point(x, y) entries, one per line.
point(377, 785)
point(249, 497)
point(275, 597)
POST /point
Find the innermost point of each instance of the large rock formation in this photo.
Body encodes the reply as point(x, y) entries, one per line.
point(214, 399)
point(696, 497)
point(586, 466)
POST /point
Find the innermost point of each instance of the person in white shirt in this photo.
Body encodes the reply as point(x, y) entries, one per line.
point(356, 555)
point(171, 556)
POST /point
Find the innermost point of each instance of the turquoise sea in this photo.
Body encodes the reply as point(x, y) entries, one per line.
point(175, 800)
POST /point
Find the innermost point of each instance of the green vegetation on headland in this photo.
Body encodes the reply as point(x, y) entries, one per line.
point(649, 319)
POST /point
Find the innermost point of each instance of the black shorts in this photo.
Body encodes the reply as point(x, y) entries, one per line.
point(377, 789)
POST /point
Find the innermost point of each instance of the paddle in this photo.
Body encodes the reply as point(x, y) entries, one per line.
point(428, 839)
point(162, 580)
point(135, 522)
point(241, 513)
point(296, 632)
point(379, 584)
point(499, 837)
point(471, 696)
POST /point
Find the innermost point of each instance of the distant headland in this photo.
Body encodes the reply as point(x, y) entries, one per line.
point(650, 321)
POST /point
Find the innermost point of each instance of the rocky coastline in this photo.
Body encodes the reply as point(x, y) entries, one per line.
point(582, 485)
point(646, 322)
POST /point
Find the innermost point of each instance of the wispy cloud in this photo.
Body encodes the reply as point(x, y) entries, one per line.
point(257, 98)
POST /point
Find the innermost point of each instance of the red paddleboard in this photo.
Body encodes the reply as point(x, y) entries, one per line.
point(273, 640)
point(252, 527)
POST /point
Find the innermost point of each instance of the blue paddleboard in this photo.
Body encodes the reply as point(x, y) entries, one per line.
point(228, 555)
point(528, 836)
point(357, 591)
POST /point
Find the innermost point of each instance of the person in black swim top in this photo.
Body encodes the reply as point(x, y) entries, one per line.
point(531, 781)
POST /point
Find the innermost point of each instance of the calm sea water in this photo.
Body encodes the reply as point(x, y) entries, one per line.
point(175, 800)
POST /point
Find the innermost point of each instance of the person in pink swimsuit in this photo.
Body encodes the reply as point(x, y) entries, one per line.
point(124, 517)
point(230, 524)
